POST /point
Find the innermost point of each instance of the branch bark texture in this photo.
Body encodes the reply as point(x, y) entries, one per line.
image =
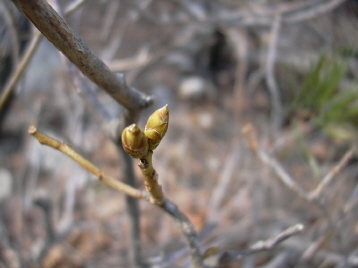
point(56, 30)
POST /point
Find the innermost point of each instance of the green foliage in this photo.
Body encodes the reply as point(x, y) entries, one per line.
point(334, 109)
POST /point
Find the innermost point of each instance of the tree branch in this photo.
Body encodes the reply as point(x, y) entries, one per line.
point(70, 152)
point(56, 30)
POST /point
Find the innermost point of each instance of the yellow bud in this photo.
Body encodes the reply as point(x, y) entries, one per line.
point(157, 126)
point(134, 141)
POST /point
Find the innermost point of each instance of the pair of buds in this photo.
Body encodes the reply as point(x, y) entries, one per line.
point(137, 143)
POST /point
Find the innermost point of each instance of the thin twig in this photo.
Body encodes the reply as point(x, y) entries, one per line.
point(267, 244)
point(334, 171)
point(285, 177)
point(10, 85)
point(73, 6)
point(56, 30)
point(276, 105)
point(220, 190)
point(52, 237)
point(274, 241)
point(70, 152)
point(187, 229)
point(316, 246)
point(301, 13)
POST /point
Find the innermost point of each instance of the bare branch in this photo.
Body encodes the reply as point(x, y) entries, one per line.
point(70, 152)
point(284, 176)
point(274, 241)
point(20, 68)
point(266, 244)
point(313, 11)
point(56, 30)
point(220, 190)
point(334, 171)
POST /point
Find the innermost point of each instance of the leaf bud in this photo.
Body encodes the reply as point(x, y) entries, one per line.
point(134, 142)
point(157, 126)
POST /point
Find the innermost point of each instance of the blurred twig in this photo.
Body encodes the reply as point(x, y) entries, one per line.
point(187, 229)
point(226, 16)
point(333, 172)
point(266, 244)
point(276, 105)
point(272, 242)
point(284, 176)
point(220, 190)
point(10, 85)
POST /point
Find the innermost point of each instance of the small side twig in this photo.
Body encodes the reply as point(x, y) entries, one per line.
point(274, 241)
point(187, 229)
point(52, 237)
point(10, 85)
point(285, 178)
point(329, 177)
point(70, 152)
point(266, 244)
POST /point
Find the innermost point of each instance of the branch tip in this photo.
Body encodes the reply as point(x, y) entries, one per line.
point(32, 130)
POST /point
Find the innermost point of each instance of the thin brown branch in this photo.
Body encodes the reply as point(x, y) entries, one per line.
point(297, 14)
point(70, 152)
point(274, 241)
point(266, 244)
point(269, 160)
point(151, 179)
point(56, 30)
point(224, 183)
point(187, 229)
point(329, 177)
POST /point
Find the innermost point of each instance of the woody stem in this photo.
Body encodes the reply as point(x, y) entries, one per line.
point(151, 179)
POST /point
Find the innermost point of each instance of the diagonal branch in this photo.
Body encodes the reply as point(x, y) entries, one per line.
point(56, 30)
point(70, 152)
